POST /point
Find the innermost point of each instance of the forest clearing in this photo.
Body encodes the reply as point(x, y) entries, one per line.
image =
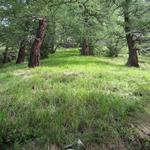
point(74, 74)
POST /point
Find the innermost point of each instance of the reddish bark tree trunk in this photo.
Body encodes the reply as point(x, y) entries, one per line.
point(86, 48)
point(35, 50)
point(133, 56)
point(21, 54)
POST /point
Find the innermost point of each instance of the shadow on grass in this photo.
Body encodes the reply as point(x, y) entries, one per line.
point(12, 67)
point(81, 60)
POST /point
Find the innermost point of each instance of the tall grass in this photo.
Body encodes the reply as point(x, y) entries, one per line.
point(70, 97)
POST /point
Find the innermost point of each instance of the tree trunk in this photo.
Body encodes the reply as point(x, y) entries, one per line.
point(52, 47)
point(133, 56)
point(35, 50)
point(86, 48)
point(5, 58)
point(53, 40)
point(21, 54)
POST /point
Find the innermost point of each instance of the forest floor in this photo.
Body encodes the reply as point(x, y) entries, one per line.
point(96, 99)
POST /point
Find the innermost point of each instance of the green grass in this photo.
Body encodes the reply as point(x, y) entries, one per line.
point(69, 96)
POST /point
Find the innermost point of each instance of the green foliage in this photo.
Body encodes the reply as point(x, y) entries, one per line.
point(100, 21)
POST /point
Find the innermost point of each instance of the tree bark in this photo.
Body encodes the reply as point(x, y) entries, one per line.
point(86, 48)
point(52, 47)
point(35, 50)
point(5, 58)
point(133, 56)
point(21, 54)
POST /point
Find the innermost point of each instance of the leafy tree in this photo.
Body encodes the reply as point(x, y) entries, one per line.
point(15, 26)
point(91, 25)
point(130, 10)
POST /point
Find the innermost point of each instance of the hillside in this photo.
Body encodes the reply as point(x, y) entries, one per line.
point(96, 99)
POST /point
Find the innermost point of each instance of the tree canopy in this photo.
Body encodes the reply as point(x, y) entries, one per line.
point(98, 27)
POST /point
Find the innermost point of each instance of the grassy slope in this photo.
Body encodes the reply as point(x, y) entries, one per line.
point(70, 96)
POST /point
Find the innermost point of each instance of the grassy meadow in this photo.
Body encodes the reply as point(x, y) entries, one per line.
point(96, 99)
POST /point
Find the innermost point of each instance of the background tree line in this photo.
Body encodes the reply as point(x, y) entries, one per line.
point(34, 28)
